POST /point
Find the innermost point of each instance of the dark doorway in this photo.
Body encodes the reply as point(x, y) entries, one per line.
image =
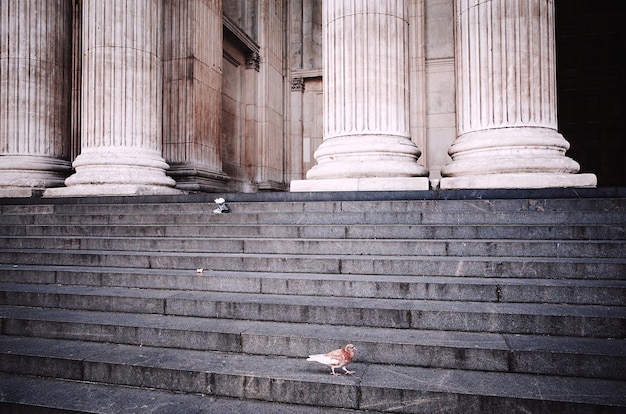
point(591, 84)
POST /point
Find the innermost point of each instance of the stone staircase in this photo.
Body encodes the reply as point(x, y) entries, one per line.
point(458, 302)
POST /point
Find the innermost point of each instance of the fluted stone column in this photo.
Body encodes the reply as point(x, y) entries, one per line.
point(367, 143)
point(506, 100)
point(121, 102)
point(35, 77)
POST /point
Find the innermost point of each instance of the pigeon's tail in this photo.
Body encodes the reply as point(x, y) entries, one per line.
point(321, 358)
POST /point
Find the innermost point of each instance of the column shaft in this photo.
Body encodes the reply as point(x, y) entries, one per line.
point(506, 99)
point(35, 51)
point(121, 101)
point(366, 93)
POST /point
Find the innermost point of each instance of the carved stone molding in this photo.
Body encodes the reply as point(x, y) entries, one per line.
point(253, 61)
point(297, 84)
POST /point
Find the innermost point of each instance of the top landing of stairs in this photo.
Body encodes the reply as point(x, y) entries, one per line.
point(487, 194)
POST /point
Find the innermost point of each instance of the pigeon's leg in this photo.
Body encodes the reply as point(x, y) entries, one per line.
point(348, 372)
point(333, 372)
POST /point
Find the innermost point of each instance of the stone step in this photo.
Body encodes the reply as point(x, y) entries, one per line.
point(580, 357)
point(259, 203)
point(346, 218)
point(296, 246)
point(485, 266)
point(36, 395)
point(514, 318)
point(293, 380)
point(355, 231)
point(474, 289)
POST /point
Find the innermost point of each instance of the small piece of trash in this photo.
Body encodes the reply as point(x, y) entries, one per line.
point(199, 270)
point(221, 206)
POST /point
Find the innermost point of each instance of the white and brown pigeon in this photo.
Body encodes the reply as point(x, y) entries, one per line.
point(338, 358)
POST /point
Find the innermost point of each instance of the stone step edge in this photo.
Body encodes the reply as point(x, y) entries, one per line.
point(282, 239)
point(563, 249)
point(165, 295)
point(328, 207)
point(267, 201)
point(546, 267)
point(314, 218)
point(501, 289)
point(596, 358)
point(272, 211)
point(556, 232)
point(484, 195)
point(552, 319)
point(137, 253)
point(42, 395)
point(290, 380)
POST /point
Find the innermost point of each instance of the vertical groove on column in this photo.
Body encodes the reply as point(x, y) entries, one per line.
point(350, 70)
point(26, 25)
point(76, 80)
point(534, 100)
point(359, 67)
point(404, 80)
point(4, 76)
point(549, 103)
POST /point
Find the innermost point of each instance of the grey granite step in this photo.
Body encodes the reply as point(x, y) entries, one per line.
point(456, 288)
point(346, 218)
point(104, 292)
point(339, 231)
point(36, 395)
point(485, 266)
point(293, 246)
point(293, 380)
point(255, 204)
point(581, 357)
point(515, 318)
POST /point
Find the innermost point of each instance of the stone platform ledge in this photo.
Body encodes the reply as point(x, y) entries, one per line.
point(20, 192)
point(519, 181)
point(111, 190)
point(361, 184)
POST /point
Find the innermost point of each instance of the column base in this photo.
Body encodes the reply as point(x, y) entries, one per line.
point(117, 171)
point(362, 184)
point(519, 181)
point(30, 175)
point(366, 156)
